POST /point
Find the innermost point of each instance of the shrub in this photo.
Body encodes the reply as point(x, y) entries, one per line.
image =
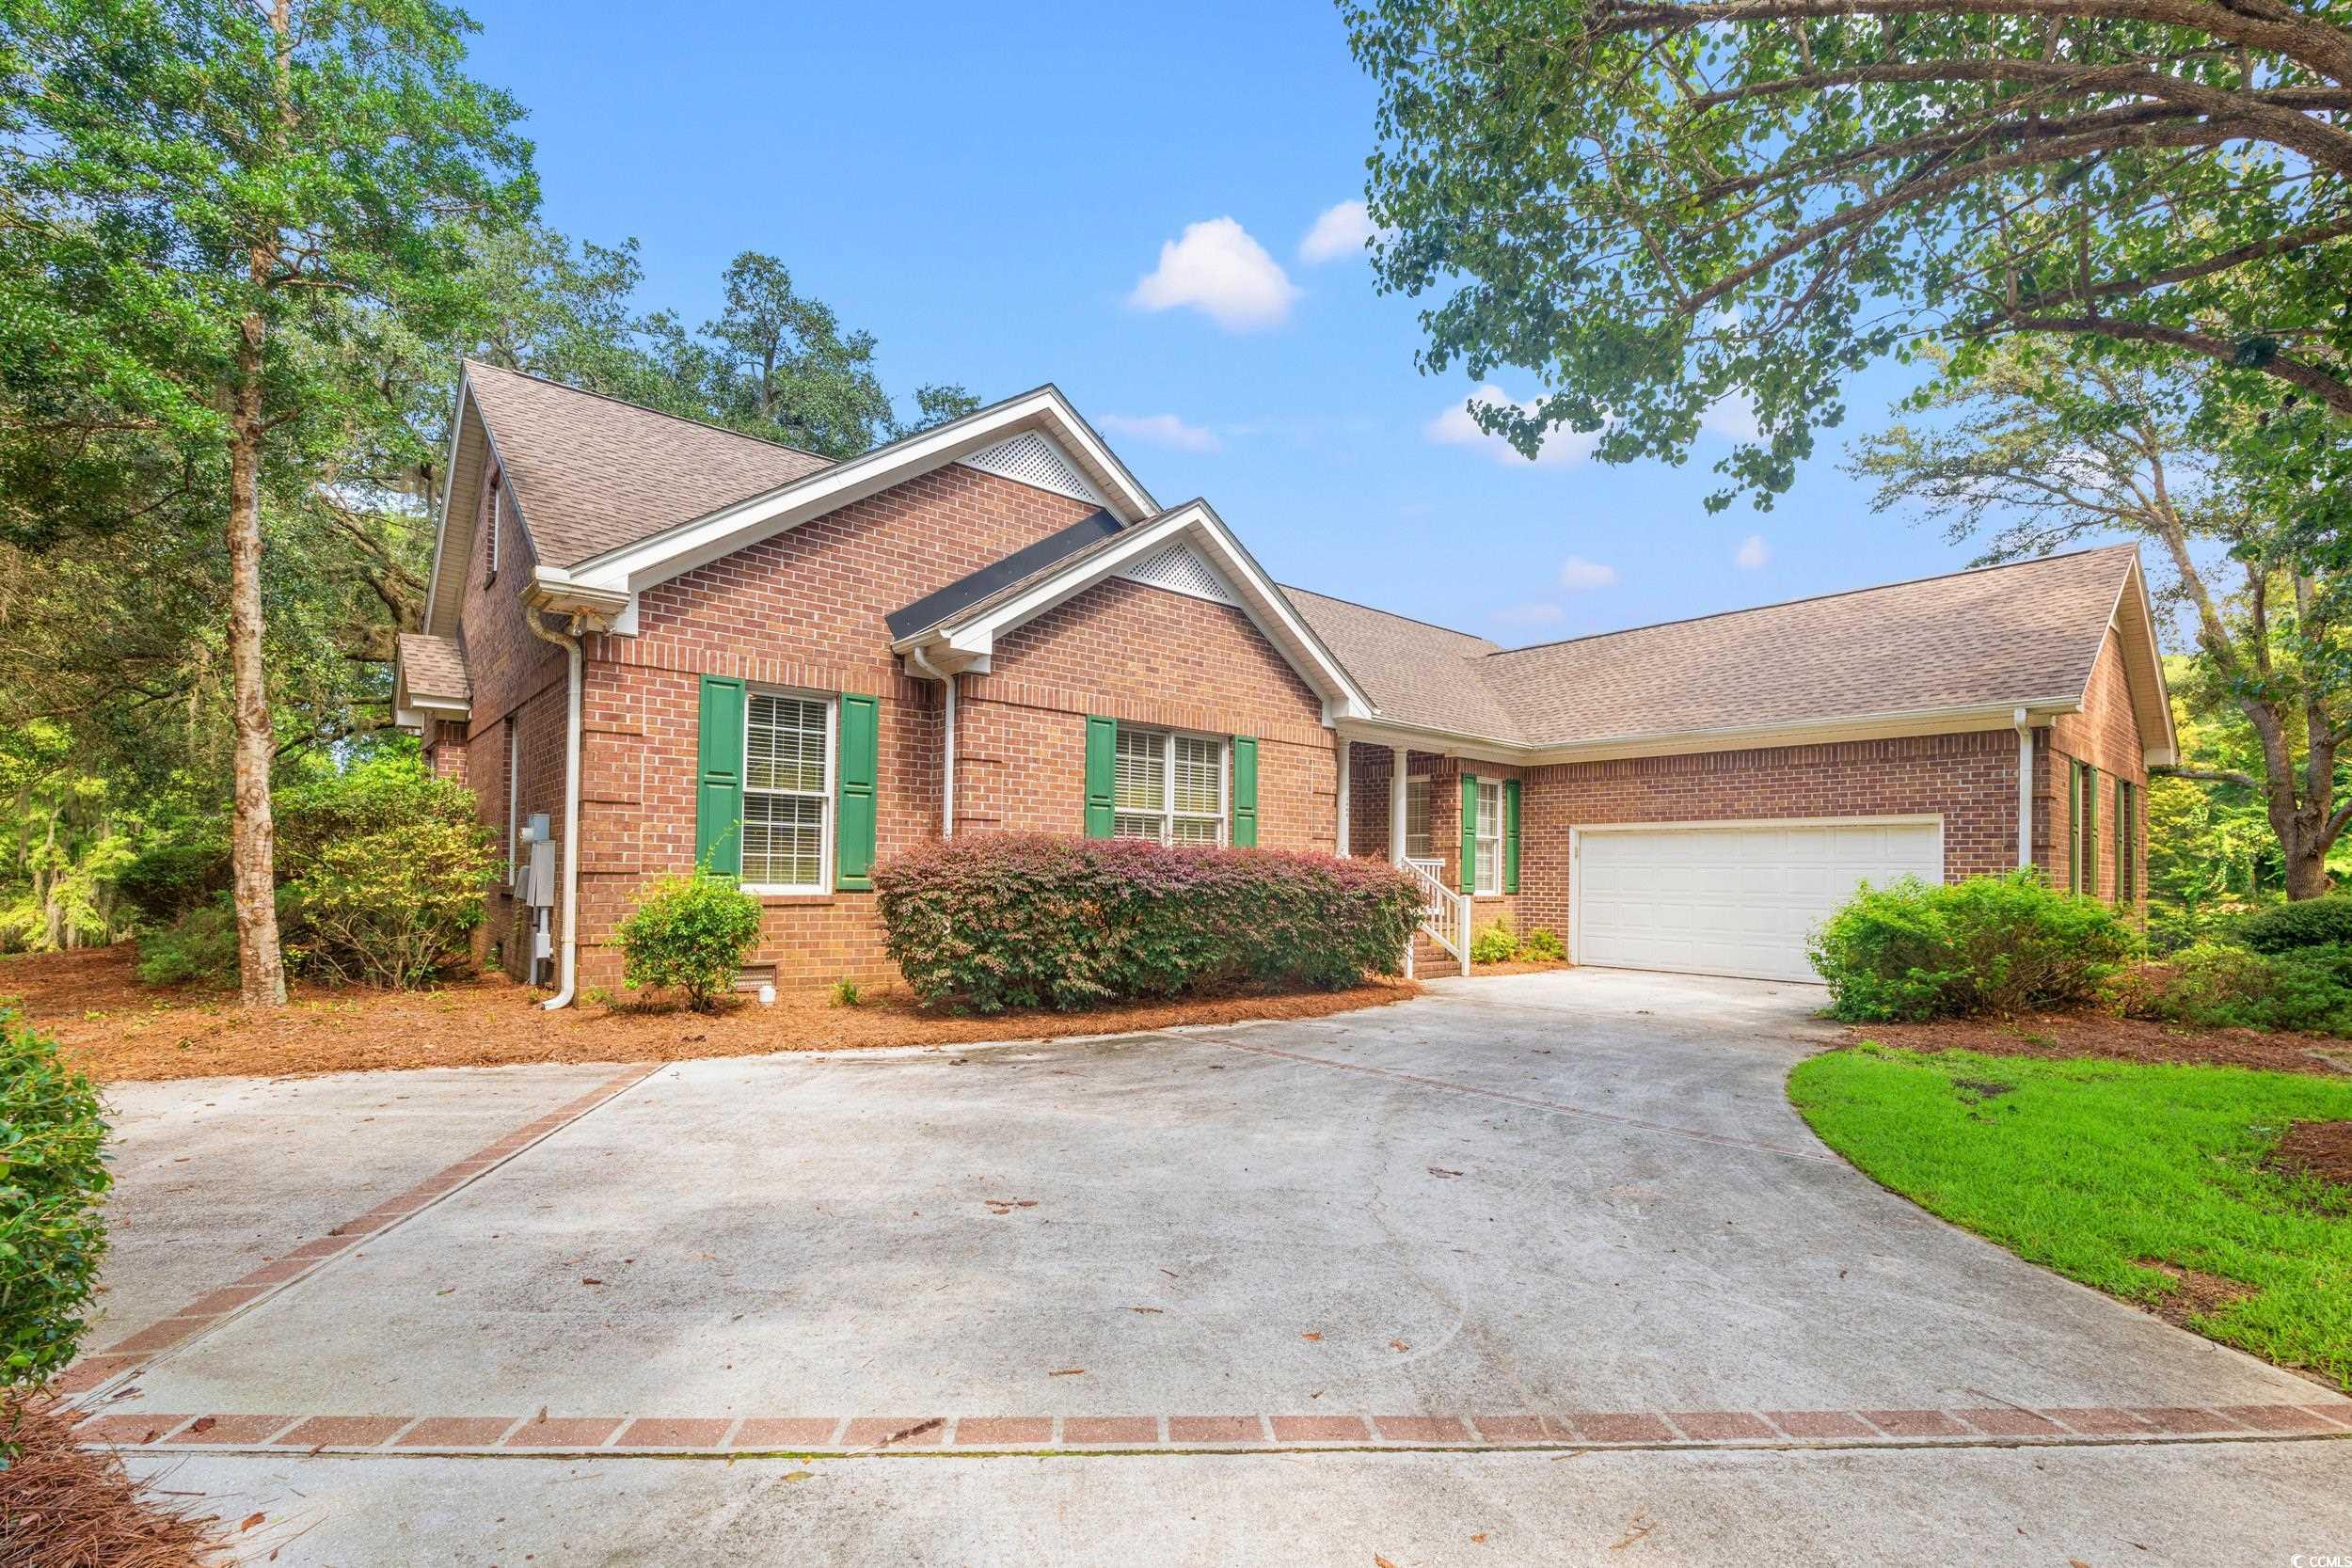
point(997, 920)
point(1543, 945)
point(199, 948)
point(1495, 944)
point(53, 1175)
point(2284, 928)
point(2173, 926)
point(847, 993)
point(172, 879)
point(689, 935)
point(385, 868)
point(1990, 944)
point(2216, 986)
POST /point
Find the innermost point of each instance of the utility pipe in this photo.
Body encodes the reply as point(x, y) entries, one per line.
point(2023, 723)
point(948, 742)
point(568, 973)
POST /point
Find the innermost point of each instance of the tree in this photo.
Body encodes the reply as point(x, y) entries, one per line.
point(2043, 450)
point(231, 212)
point(1655, 205)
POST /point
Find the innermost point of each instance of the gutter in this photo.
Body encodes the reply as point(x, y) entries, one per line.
point(573, 722)
point(2023, 721)
point(947, 741)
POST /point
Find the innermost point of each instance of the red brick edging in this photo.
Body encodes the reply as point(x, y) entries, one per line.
point(1985, 1425)
point(207, 1311)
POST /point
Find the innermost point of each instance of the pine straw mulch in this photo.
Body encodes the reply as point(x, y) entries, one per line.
point(62, 1506)
point(118, 1030)
point(2119, 1040)
point(2321, 1148)
point(1519, 966)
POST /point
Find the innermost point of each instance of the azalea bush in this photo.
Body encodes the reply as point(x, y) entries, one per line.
point(2214, 984)
point(995, 921)
point(53, 1176)
point(688, 935)
point(2003, 944)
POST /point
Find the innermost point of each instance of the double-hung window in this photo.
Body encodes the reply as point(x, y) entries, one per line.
point(1416, 820)
point(513, 795)
point(1168, 788)
point(1489, 838)
point(788, 792)
point(491, 550)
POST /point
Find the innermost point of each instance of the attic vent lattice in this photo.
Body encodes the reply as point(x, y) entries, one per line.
point(1178, 570)
point(1033, 459)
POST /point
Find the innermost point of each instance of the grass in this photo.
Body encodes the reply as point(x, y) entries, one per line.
point(2099, 1168)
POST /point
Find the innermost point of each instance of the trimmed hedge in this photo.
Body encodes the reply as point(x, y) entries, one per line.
point(689, 935)
point(2001, 944)
point(53, 1178)
point(996, 921)
point(2313, 923)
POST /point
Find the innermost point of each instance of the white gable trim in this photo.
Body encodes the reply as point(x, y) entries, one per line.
point(2134, 623)
point(1032, 457)
point(1179, 569)
point(635, 567)
point(968, 643)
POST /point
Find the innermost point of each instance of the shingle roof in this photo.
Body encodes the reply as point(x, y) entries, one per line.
point(591, 473)
point(1018, 567)
point(2025, 632)
point(435, 667)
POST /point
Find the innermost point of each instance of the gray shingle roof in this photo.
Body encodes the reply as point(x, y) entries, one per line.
point(1996, 636)
point(591, 473)
point(435, 667)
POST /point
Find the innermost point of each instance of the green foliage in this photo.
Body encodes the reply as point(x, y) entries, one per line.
point(1001, 920)
point(1664, 213)
point(2098, 1169)
point(199, 948)
point(847, 994)
point(169, 878)
point(53, 1178)
point(2214, 985)
point(1495, 943)
point(1989, 944)
point(386, 867)
point(2312, 923)
point(1542, 945)
point(688, 935)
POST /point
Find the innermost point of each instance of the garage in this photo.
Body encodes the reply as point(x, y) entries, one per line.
point(1723, 898)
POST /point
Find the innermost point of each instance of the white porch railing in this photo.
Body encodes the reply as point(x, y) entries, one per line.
point(1445, 915)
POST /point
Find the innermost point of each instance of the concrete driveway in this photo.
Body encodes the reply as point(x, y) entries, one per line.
point(1535, 1268)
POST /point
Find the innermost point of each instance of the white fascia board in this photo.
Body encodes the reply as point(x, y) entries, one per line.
point(449, 490)
point(1197, 524)
point(640, 565)
point(2162, 751)
point(1892, 725)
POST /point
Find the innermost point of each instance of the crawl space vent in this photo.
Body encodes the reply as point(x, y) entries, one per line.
point(1033, 459)
point(1178, 570)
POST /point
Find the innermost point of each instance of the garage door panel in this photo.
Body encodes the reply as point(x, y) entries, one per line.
point(1729, 900)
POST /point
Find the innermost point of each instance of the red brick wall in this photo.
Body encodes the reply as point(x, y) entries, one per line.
point(2107, 736)
point(1150, 656)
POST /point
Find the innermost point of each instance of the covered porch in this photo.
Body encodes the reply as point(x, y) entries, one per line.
point(1435, 814)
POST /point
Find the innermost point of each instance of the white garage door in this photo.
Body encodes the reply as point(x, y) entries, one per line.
point(1733, 901)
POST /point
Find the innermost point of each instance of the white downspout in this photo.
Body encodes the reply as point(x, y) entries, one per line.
point(2025, 787)
point(568, 974)
point(946, 744)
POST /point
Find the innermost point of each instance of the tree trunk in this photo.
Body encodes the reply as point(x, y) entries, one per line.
point(252, 855)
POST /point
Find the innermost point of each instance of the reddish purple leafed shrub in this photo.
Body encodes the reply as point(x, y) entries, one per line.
point(998, 921)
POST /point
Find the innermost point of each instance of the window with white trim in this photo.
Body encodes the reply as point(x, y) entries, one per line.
point(514, 794)
point(1416, 820)
point(1489, 837)
point(787, 791)
point(1168, 787)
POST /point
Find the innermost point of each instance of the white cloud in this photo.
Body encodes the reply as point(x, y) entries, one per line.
point(1340, 231)
point(1162, 430)
point(1732, 416)
point(1218, 269)
point(1580, 575)
point(1536, 613)
point(1457, 428)
point(1752, 554)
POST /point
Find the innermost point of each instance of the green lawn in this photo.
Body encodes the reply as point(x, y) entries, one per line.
point(2091, 1167)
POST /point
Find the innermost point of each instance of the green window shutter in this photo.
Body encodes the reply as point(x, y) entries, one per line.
point(1245, 792)
point(1469, 833)
point(719, 779)
point(1510, 835)
point(856, 763)
point(2073, 827)
point(2090, 830)
point(1102, 765)
point(2123, 845)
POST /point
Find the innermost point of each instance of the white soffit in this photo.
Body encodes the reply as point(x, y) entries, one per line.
point(1180, 570)
point(1032, 457)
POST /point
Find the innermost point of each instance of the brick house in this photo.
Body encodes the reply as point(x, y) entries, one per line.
point(650, 644)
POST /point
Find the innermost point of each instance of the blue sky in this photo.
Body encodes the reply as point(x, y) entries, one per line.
point(986, 189)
